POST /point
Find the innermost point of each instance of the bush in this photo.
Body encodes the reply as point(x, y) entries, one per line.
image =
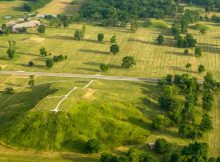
point(49, 63)
point(104, 67)
point(31, 64)
point(161, 146)
point(9, 90)
point(58, 58)
point(93, 146)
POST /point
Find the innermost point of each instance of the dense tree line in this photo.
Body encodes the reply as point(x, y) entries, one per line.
point(182, 113)
point(33, 5)
point(111, 12)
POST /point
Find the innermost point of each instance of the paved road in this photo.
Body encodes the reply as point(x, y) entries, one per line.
point(66, 75)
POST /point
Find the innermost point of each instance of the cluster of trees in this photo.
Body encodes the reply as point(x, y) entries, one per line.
point(61, 20)
point(114, 11)
point(183, 113)
point(33, 5)
point(165, 151)
point(208, 4)
point(79, 34)
point(6, 30)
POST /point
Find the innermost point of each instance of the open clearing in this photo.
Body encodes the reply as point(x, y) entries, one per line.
point(85, 56)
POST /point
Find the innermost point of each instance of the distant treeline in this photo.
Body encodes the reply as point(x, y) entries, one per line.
point(35, 4)
point(207, 3)
point(113, 11)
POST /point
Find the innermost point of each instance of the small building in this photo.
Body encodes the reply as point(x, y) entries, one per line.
point(151, 146)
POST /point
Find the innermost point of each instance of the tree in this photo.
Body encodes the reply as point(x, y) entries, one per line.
point(132, 155)
point(188, 66)
point(161, 122)
point(189, 131)
point(100, 37)
point(114, 48)
point(209, 82)
point(128, 61)
point(206, 122)
point(201, 69)
point(186, 51)
point(41, 29)
point(207, 100)
point(9, 90)
point(43, 51)
point(12, 49)
point(203, 31)
point(79, 34)
point(113, 39)
point(160, 39)
point(198, 51)
point(49, 63)
point(31, 82)
point(161, 146)
point(134, 26)
point(93, 146)
point(30, 63)
point(104, 67)
point(196, 151)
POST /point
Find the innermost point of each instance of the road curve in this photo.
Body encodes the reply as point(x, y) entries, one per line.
point(67, 75)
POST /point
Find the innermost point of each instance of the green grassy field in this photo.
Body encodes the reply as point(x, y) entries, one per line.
point(104, 103)
point(86, 56)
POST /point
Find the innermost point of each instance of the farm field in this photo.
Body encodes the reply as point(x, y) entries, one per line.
point(85, 56)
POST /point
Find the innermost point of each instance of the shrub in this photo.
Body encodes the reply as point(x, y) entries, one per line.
point(93, 146)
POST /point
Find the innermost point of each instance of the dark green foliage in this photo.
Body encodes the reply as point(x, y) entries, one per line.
point(189, 131)
point(186, 42)
point(49, 63)
point(201, 69)
point(41, 29)
point(209, 82)
point(206, 122)
point(93, 146)
point(43, 52)
point(30, 63)
point(12, 49)
point(113, 39)
point(58, 58)
point(22, 30)
point(79, 34)
point(9, 90)
point(198, 51)
point(114, 49)
point(186, 51)
point(160, 39)
point(128, 61)
point(112, 12)
point(107, 157)
point(160, 122)
point(161, 146)
point(31, 82)
point(100, 37)
point(196, 151)
point(148, 157)
point(35, 4)
point(207, 101)
point(104, 67)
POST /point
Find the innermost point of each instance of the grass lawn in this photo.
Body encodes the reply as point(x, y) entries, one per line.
point(11, 8)
point(85, 56)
